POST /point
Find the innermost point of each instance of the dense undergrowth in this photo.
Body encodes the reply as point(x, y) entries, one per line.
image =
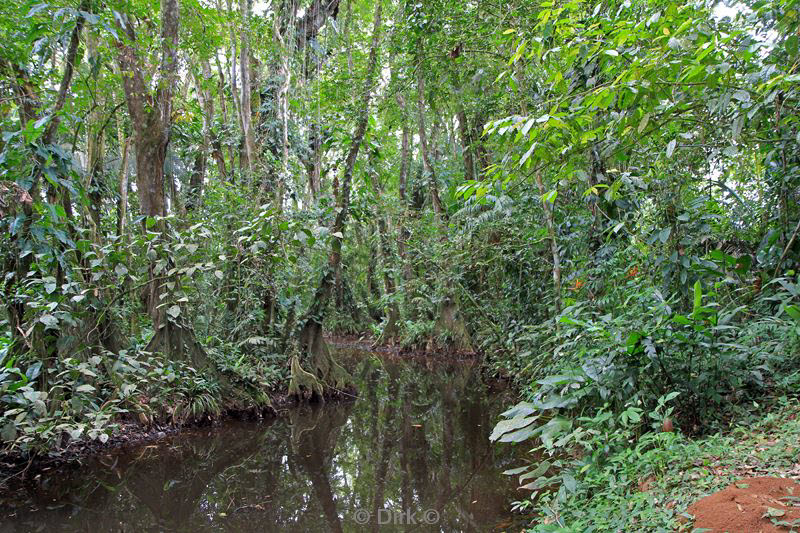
point(77, 399)
point(630, 395)
point(620, 480)
point(645, 302)
point(599, 198)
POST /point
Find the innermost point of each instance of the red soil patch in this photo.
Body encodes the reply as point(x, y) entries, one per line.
point(750, 505)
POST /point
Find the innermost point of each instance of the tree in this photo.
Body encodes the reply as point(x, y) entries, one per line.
point(325, 369)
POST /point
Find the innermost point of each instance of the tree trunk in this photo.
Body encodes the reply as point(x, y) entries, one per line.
point(308, 27)
point(373, 291)
point(230, 65)
point(390, 329)
point(325, 368)
point(547, 206)
point(314, 162)
point(245, 107)
point(347, 22)
point(405, 159)
point(122, 203)
point(95, 149)
point(463, 126)
point(151, 116)
point(392, 312)
point(218, 154)
point(423, 138)
point(197, 179)
point(282, 97)
point(151, 154)
point(482, 156)
point(551, 232)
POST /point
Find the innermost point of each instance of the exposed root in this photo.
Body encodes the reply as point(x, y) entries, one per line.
point(451, 324)
point(332, 376)
point(390, 330)
point(303, 384)
point(177, 341)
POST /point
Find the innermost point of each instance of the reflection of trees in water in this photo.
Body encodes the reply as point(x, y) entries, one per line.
point(313, 470)
point(155, 488)
point(389, 431)
point(314, 438)
point(446, 463)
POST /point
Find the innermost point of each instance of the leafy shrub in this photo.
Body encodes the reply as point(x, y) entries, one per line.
point(647, 350)
point(74, 399)
point(617, 380)
point(602, 456)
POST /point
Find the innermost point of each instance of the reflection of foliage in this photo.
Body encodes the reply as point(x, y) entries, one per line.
point(306, 472)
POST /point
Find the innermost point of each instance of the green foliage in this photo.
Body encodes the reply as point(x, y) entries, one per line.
point(603, 475)
point(606, 205)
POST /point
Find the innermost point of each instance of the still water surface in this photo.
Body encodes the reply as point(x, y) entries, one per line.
point(410, 454)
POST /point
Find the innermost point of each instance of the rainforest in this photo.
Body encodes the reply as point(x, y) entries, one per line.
point(367, 265)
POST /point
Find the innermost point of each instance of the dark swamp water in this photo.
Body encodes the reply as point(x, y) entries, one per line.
point(410, 454)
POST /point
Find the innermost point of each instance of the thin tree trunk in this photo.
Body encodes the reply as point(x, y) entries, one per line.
point(551, 232)
point(95, 148)
point(482, 156)
point(122, 203)
point(197, 179)
point(405, 158)
point(237, 103)
point(347, 21)
point(314, 162)
point(224, 110)
point(390, 329)
point(423, 138)
point(547, 206)
point(463, 126)
point(245, 107)
point(282, 97)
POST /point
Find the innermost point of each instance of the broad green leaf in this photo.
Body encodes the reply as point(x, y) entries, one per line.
point(521, 435)
point(793, 311)
point(49, 321)
point(504, 426)
point(540, 470)
point(553, 429)
point(671, 147)
point(527, 154)
point(522, 408)
point(49, 284)
point(643, 123)
point(698, 297)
